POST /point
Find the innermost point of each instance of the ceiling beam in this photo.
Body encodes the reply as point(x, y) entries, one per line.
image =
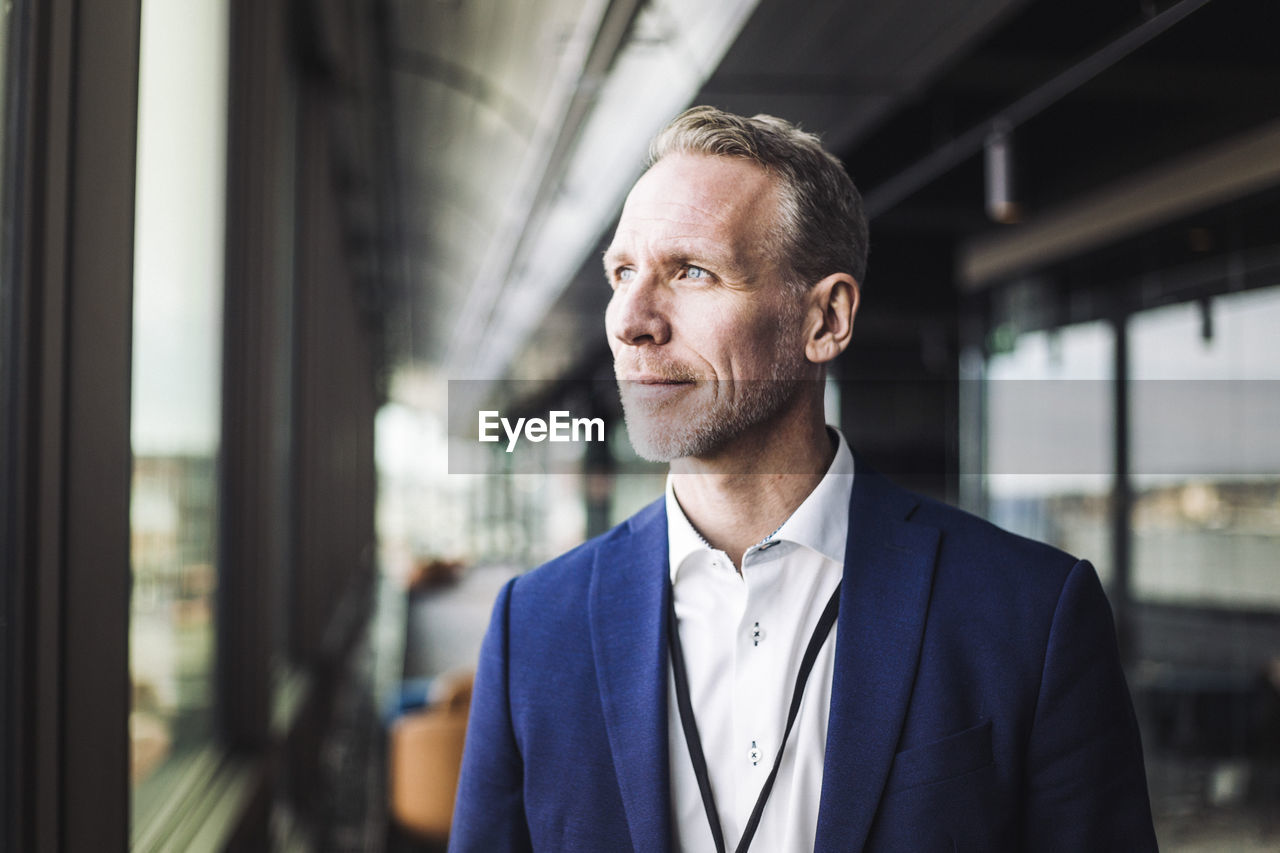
point(946, 157)
point(1135, 81)
point(1223, 172)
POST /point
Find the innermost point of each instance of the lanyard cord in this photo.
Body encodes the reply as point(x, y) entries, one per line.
point(690, 727)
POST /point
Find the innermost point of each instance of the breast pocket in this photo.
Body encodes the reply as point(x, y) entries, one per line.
point(940, 796)
point(954, 756)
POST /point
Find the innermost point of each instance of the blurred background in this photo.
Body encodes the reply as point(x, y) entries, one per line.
point(262, 258)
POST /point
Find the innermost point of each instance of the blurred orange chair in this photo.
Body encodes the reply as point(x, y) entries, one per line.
point(425, 757)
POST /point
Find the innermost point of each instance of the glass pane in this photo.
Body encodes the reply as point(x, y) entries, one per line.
point(178, 283)
point(1049, 439)
point(1205, 408)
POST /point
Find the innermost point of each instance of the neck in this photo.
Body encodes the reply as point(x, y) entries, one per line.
point(748, 489)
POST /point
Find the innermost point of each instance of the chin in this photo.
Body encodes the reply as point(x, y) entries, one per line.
point(703, 428)
point(665, 437)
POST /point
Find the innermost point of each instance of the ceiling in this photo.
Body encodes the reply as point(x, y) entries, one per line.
point(521, 124)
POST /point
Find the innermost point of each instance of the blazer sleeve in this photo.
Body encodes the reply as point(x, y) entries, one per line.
point(1086, 784)
point(489, 814)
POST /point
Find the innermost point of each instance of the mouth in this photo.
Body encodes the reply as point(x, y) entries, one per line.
point(651, 379)
point(654, 388)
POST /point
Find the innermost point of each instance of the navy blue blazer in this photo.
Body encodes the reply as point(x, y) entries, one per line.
point(977, 703)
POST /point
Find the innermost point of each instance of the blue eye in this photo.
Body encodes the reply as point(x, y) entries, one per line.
point(696, 272)
point(624, 274)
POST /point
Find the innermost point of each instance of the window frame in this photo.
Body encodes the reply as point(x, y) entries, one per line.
point(76, 147)
point(66, 496)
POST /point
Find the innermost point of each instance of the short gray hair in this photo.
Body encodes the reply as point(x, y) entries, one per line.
point(822, 228)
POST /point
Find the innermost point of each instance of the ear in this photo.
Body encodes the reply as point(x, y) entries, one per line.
point(833, 304)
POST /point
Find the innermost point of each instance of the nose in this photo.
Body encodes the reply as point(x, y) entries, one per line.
point(637, 314)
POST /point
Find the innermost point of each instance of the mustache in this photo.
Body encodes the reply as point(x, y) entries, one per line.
point(660, 368)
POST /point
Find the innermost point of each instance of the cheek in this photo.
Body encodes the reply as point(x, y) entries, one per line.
point(734, 348)
point(756, 343)
point(758, 332)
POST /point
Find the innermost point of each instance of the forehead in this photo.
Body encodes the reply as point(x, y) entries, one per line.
point(699, 198)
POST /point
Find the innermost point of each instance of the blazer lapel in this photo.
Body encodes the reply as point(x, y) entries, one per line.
point(888, 575)
point(629, 641)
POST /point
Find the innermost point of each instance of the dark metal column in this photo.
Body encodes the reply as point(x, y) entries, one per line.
point(72, 456)
point(1121, 496)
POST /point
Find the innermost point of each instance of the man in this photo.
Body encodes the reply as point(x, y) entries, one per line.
point(786, 651)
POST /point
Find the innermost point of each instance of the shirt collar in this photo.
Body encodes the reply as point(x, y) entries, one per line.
point(820, 523)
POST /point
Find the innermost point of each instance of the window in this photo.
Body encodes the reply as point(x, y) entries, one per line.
point(176, 414)
point(1049, 447)
point(1206, 463)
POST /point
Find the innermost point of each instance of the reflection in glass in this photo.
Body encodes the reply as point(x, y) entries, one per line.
point(1049, 446)
point(1205, 523)
point(1205, 404)
point(178, 282)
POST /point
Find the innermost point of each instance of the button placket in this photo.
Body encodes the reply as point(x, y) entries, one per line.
point(737, 605)
point(756, 675)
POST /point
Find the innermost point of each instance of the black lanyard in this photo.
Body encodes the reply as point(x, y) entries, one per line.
point(696, 755)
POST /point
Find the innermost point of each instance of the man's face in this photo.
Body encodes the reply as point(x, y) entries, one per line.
point(706, 336)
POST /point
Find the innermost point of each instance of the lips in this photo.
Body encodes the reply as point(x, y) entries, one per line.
point(655, 389)
point(651, 371)
point(649, 383)
point(651, 379)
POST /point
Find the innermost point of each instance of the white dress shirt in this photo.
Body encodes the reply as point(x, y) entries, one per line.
point(743, 637)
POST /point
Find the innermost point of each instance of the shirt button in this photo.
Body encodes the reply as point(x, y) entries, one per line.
point(754, 754)
point(757, 634)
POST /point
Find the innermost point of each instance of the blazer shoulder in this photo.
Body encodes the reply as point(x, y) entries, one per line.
point(973, 545)
point(963, 537)
point(571, 571)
